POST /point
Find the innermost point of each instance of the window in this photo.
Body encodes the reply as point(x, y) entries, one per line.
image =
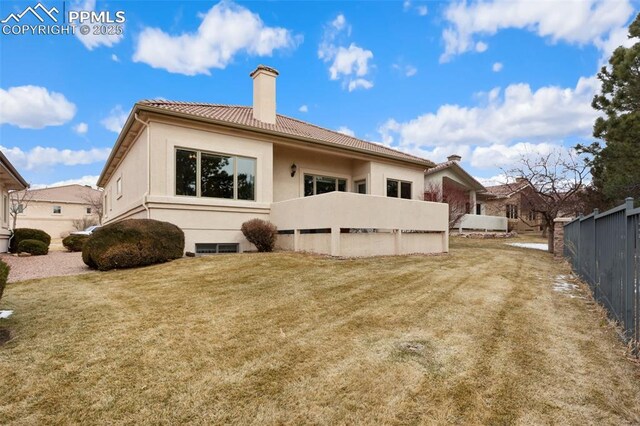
point(216, 248)
point(316, 185)
point(478, 208)
point(57, 209)
point(512, 211)
point(20, 208)
point(398, 188)
point(211, 175)
point(5, 209)
point(119, 187)
point(88, 210)
point(361, 186)
point(532, 216)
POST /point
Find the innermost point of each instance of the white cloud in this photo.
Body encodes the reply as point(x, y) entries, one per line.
point(499, 155)
point(91, 40)
point(303, 108)
point(497, 67)
point(406, 5)
point(34, 107)
point(84, 180)
point(348, 64)
point(115, 58)
point(39, 158)
point(422, 10)
point(227, 29)
point(359, 83)
point(346, 131)
point(481, 47)
point(406, 70)
point(499, 179)
point(576, 22)
point(115, 120)
point(515, 115)
point(81, 128)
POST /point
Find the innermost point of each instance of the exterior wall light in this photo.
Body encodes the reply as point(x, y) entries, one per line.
point(294, 169)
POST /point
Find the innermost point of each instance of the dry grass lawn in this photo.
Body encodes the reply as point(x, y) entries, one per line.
point(476, 337)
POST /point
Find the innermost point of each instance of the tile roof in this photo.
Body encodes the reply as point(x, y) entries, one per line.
point(286, 126)
point(63, 194)
point(463, 172)
point(506, 189)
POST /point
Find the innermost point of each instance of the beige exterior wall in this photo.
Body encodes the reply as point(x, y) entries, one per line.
point(39, 215)
point(498, 207)
point(210, 220)
point(437, 180)
point(134, 174)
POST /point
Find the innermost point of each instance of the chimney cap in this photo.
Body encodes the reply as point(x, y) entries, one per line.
point(454, 157)
point(264, 68)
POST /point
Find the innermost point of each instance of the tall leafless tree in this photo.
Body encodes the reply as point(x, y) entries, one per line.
point(555, 181)
point(94, 200)
point(457, 198)
point(18, 203)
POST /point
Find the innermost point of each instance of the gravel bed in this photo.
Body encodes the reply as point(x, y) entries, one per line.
point(54, 264)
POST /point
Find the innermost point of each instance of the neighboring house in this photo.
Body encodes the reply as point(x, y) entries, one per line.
point(512, 201)
point(55, 209)
point(10, 180)
point(448, 182)
point(208, 168)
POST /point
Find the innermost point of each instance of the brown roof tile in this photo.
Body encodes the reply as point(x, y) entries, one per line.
point(287, 126)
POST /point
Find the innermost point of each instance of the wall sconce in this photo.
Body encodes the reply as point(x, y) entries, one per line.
point(294, 169)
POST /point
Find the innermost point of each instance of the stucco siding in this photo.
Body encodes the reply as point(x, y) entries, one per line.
point(40, 215)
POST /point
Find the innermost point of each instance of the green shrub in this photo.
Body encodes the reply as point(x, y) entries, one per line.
point(4, 274)
point(74, 242)
point(21, 234)
point(132, 243)
point(260, 233)
point(33, 247)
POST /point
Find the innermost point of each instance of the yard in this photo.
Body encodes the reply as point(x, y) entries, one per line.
point(483, 335)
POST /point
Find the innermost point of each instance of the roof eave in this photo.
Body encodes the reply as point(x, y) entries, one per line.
point(12, 171)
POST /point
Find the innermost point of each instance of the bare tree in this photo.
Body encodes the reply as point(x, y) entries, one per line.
point(18, 203)
point(555, 181)
point(94, 200)
point(457, 198)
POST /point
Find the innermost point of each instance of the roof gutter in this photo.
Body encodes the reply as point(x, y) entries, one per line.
point(12, 170)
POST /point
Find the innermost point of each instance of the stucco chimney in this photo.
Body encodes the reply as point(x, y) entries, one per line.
point(454, 157)
point(264, 94)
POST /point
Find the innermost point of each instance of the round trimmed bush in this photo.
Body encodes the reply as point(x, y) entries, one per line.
point(74, 242)
point(21, 234)
point(33, 247)
point(260, 233)
point(132, 243)
point(4, 274)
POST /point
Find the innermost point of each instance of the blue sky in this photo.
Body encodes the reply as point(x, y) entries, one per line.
point(489, 80)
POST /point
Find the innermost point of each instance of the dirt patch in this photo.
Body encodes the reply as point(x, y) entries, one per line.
point(5, 335)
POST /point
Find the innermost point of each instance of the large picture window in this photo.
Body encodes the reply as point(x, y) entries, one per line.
point(398, 189)
point(212, 175)
point(316, 185)
point(512, 211)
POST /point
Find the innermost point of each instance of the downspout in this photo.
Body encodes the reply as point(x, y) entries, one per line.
point(146, 194)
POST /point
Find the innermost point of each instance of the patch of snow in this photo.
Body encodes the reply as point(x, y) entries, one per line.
point(535, 246)
point(5, 314)
point(561, 285)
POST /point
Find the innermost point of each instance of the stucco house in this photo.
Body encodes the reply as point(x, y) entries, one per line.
point(208, 168)
point(450, 183)
point(55, 209)
point(512, 201)
point(10, 180)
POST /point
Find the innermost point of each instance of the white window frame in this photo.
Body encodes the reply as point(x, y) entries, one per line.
point(119, 187)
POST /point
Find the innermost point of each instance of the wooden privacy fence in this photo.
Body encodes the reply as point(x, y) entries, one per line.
point(604, 250)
